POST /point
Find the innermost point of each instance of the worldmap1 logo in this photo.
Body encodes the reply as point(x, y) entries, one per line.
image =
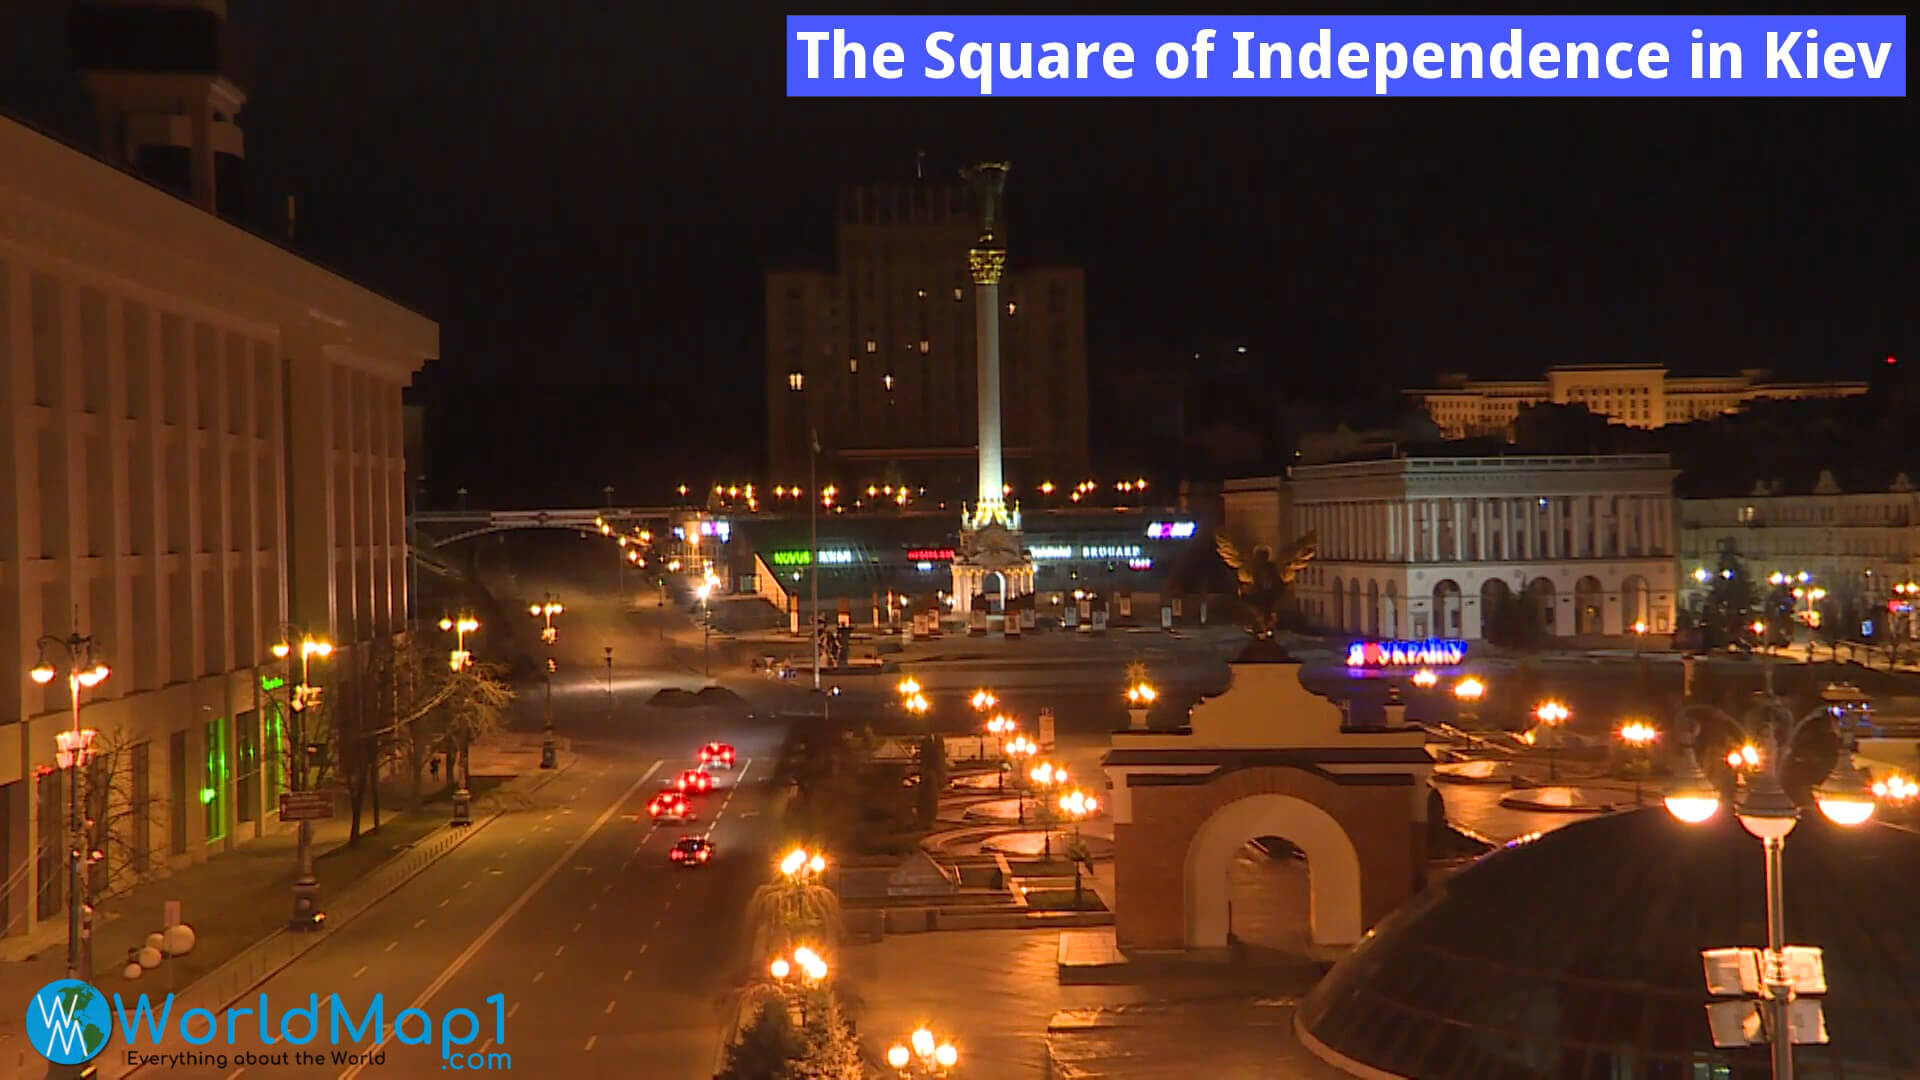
point(68, 1022)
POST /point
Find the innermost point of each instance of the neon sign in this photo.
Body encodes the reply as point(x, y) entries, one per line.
point(792, 558)
point(836, 557)
point(270, 683)
point(1170, 530)
point(721, 528)
point(1382, 654)
point(930, 555)
point(1052, 551)
point(1111, 551)
point(1140, 564)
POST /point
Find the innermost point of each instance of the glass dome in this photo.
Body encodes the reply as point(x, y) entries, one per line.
point(1577, 955)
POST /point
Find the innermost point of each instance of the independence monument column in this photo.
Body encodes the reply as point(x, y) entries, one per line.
point(990, 552)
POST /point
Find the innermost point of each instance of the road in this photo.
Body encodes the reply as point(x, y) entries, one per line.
point(607, 959)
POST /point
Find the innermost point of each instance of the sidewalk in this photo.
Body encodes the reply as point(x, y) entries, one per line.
point(236, 899)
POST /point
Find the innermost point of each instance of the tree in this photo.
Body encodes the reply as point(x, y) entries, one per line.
point(120, 813)
point(1729, 606)
point(768, 1048)
point(1561, 429)
point(1264, 581)
point(473, 707)
point(832, 1052)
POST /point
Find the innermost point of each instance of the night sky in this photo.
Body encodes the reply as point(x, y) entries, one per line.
point(585, 195)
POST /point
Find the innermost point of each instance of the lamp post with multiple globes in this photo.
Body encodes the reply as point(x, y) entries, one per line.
point(1077, 804)
point(75, 748)
point(305, 695)
point(549, 634)
point(795, 978)
point(1018, 750)
point(1638, 735)
point(1765, 810)
point(459, 660)
point(983, 702)
point(923, 1055)
point(1045, 777)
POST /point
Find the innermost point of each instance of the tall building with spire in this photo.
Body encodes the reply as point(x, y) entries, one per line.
point(879, 354)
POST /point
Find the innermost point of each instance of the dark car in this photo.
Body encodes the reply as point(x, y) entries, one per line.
point(692, 851)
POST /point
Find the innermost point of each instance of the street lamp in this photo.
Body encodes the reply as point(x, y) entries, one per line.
point(800, 865)
point(1140, 698)
point(1425, 679)
point(704, 591)
point(1045, 777)
point(549, 634)
point(923, 1055)
point(306, 887)
point(1550, 714)
point(1077, 804)
point(1639, 735)
point(1001, 727)
point(1468, 692)
point(74, 749)
point(1768, 813)
point(1018, 749)
point(460, 660)
point(1639, 636)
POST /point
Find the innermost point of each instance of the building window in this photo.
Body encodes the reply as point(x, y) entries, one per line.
point(887, 381)
point(796, 380)
point(956, 292)
point(924, 346)
point(853, 365)
point(873, 346)
point(921, 293)
point(1012, 307)
point(213, 790)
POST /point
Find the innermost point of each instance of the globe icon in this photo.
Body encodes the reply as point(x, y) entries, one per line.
point(68, 1021)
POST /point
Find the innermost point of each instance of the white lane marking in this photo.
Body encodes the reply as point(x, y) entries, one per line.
point(668, 906)
point(468, 885)
point(443, 903)
point(628, 977)
point(362, 971)
point(643, 948)
point(506, 916)
point(608, 1011)
point(677, 884)
point(595, 906)
point(392, 945)
point(513, 1009)
point(418, 923)
point(577, 926)
point(559, 950)
point(656, 924)
point(484, 1045)
point(236, 1072)
point(538, 975)
point(591, 1039)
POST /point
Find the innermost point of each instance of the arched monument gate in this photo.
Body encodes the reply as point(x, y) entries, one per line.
point(1267, 758)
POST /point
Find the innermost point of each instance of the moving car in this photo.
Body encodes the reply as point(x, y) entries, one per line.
point(694, 782)
point(671, 805)
point(717, 755)
point(692, 851)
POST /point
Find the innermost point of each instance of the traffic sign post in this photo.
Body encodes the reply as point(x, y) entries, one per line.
point(305, 805)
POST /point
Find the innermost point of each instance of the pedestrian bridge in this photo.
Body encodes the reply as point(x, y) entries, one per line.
point(444, 527)
point(1268, 758)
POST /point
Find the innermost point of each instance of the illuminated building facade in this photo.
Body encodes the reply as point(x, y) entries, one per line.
point(1416, 548)
point(1855, 545)
point(1637, 395)
point(204, 444)
point(879, 356)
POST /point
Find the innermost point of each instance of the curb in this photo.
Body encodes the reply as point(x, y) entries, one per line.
point(267, 957)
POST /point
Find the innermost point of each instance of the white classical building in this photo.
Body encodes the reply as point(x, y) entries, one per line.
point(1637, 395)
point(202, 444)
point(1854, 544)
point(1421, 547)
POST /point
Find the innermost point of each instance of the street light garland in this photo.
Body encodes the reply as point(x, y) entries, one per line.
point(74, 747)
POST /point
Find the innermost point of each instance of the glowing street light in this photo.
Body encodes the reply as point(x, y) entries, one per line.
point(1551, 715)
point(908, 687)
point(1638, 735)
point(1769, 814)
point(923, 1055)
point(1425, 678)
point(545, 610)
point(984, 700)
point(74, 747)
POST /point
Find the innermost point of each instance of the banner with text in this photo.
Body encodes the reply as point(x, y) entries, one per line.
point(1347, 56)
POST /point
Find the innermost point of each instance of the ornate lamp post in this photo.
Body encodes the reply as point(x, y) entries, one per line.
point(1551, 715)
point(75, 748)
point(795, 978)
point(1638, 735)
point(1019, 749)
point(1468, 692)
point(459, 660)
point(306, 887)
point(1140, 699)
point(549, 634)
point(1045, 777)
point(1077, 805)
point(983, 701)
point(923, 1055)
point(1768, 813)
